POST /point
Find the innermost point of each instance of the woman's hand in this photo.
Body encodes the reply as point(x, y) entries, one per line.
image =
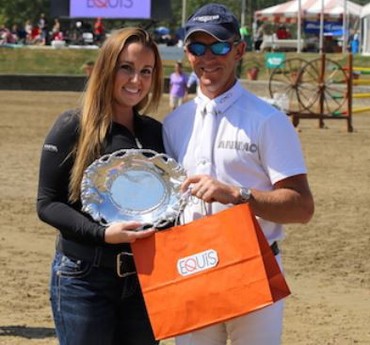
point(125, 232)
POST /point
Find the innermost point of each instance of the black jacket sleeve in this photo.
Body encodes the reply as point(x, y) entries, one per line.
point(53, 206)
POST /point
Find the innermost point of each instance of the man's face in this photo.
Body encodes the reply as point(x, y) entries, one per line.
point(216, 73)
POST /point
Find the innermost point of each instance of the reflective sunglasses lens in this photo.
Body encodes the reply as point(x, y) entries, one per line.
point(221, 48)
point(197, 49)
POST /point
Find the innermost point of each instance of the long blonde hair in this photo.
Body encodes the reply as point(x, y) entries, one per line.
point(96, 112)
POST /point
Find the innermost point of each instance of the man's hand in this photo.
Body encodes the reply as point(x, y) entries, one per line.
point(209, 189)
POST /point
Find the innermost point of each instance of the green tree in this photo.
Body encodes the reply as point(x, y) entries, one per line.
point(192, 5)
point(18, 11)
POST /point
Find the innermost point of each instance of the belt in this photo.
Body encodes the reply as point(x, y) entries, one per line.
point(275, 248)
point(121, 261)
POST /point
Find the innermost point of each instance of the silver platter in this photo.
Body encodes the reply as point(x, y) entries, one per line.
point(139, 185)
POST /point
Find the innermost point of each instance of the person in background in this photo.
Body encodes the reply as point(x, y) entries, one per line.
point(6, 36)
point(236, 148)
point(28, 28)
point(87, 67)
point(15, 33)
point(282, 33)
point(99, 31)
point(246, 37)
point(95, 293)
point(192, 82)
point(56, 30)
point(43, 25)
point(178, 83)
point(355, 42)
point(258, 39)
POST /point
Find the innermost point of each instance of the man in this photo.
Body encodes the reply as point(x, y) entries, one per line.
point(236, 148)
point(192, 82)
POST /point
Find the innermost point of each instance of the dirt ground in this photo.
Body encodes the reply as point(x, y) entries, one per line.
point(326, 262)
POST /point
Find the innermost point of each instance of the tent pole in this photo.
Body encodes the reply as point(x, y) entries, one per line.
point(344, 29)
point(183, 13)
point(299, 26)
point(321, 46)
point(242, 16)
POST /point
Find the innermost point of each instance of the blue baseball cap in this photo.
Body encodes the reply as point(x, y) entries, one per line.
point(214, 19)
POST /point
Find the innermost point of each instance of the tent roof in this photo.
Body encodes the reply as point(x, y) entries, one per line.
point(365, 10)
point(288, 11)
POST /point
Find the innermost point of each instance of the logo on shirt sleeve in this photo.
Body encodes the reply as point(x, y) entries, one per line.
point(50, 148)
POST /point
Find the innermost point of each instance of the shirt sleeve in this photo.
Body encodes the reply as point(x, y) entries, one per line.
point(53, 206)
point(281, 151)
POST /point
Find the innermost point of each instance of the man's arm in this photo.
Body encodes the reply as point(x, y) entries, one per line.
point(290, 201)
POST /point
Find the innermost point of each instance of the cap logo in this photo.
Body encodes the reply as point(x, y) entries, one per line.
point(206, 19)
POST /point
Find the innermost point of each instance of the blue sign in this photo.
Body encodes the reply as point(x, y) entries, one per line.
point(134, 9)
point(330, 28)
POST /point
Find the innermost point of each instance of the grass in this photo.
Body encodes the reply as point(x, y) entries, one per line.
point(44, 61)
point(41, 60)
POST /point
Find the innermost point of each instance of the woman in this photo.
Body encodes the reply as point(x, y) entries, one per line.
point(178, 83)
point(94, 289)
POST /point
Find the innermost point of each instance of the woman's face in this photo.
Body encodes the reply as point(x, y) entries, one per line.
point(134, 76)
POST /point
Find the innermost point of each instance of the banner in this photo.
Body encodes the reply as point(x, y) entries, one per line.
point(330, 28)
point(126, 9)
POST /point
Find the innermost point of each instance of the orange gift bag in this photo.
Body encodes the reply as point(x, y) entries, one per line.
point(207, 271)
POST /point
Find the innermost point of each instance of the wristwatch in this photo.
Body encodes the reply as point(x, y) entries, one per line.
point(245, 195)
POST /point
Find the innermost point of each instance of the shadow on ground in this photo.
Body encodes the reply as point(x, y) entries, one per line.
point(27, 332)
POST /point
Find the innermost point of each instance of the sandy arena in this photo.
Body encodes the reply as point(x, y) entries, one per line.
point(326, 262)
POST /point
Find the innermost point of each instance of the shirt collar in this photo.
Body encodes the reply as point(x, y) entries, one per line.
point(221, 103)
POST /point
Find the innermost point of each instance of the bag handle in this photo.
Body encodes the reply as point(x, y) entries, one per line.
point(191, 200)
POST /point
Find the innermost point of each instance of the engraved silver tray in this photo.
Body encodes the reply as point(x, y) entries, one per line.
point(135, 184)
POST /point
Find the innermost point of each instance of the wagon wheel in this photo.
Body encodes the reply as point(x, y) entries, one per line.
point(323, 94)
point(284, 79)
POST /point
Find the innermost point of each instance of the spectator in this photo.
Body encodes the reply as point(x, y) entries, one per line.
point(178, 83)
point(193, 81)
point(35, 37)
point(44, 29)
point(56, 29)
point(21, 34)
point(99, 31)
point(246, 37)
point(261, 31)
point(6, 37)
point(15, 33)
point(28, 29)
point(355, 43)
point(282, 33)
point(87, 67)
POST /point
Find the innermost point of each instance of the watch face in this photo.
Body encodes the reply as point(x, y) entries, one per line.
point(245, 194)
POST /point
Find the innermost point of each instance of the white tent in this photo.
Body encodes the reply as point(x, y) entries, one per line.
point(366, 29)
point(289, 11)
point(295, 10)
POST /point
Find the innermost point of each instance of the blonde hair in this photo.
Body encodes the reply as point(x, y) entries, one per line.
point(96, 112)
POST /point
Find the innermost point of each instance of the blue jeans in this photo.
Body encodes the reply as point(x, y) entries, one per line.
point(93, 306)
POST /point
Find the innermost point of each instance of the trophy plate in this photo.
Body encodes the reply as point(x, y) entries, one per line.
point(134, 185)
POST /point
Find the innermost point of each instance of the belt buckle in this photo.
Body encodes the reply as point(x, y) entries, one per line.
point(120, 263)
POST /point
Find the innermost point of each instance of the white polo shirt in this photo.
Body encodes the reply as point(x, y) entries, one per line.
point(237, 138)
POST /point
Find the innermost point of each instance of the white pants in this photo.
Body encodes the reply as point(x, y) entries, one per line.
point(262, 327)
point(175, 101)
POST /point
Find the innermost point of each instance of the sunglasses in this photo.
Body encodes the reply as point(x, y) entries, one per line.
point(217, 48)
